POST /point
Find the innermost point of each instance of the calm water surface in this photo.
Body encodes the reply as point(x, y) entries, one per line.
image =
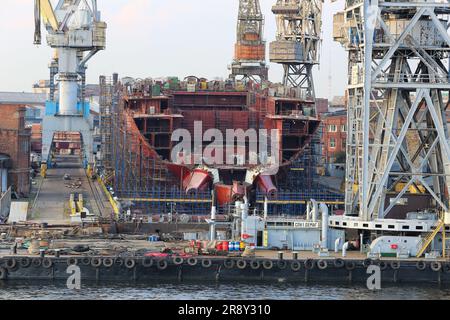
point(215, 291)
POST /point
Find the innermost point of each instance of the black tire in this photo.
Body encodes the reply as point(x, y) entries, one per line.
point(268, 264)
point(3, 274)
point(47, 263)
point(322, 264)
point(367, 262)
point(309, 264)
point(96, 262)
point(147, 262)
point(162, 264)
point(178, 261)
point(339, 263)
point(10, 263)
point(118, 261)
point(383, 265)
point(350, 265)
point(395, 265)
point(281, 264)
point(24, 262)
point(436, 266)
point(72, 261)
point(229, 264)
point(296, 266)
point(192, 261)
point(241, 264)
point(255, 264)
point(36, 262)
point(206, 263)
point(108, 262)
point(86, 261)
point(421, 265)
point(129, 263)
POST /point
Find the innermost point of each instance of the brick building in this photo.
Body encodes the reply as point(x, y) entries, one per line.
point(15, 143)
point(334, 136)
point(321, 106)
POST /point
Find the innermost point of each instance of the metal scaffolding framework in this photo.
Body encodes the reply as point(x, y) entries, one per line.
point(398, 98)
point(106, 105)
point(297, 45)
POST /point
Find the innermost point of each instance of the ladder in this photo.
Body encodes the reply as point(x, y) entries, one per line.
point(430, 237)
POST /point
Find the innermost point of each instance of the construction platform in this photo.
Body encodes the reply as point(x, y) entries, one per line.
point(52, 194)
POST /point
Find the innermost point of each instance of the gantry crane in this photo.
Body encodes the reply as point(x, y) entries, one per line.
point(250, 50)
point(297, 45)
point(74, 28)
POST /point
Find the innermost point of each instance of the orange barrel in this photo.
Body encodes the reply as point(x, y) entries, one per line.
point(225, 246)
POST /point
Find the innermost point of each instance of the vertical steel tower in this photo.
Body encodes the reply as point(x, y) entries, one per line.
point(297, 44)
point(250, 49)
point(398, 141)
point(74, 27)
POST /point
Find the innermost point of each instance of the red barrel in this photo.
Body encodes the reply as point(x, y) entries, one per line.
point(225, 246)
point(219, 246)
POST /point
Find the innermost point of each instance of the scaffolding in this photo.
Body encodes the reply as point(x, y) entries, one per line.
point(106, 124)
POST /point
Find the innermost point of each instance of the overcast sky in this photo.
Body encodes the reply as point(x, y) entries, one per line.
point(155, 38)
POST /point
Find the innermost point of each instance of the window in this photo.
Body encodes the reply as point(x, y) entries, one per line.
point(333, 143)
point(332, 128)
point(343, 128)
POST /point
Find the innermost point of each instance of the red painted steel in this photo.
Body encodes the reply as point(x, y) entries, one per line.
point(266, 185)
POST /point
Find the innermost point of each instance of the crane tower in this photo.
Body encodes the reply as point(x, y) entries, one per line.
point(250, 49)
point(398, 154)
point(297, 43)
point(74, 27)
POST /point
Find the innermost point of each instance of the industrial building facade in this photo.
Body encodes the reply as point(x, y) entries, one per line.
point(15, 143)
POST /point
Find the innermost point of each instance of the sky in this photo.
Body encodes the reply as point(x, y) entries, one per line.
point(157, 38)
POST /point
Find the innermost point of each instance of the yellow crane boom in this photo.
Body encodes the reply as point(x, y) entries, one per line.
point(48, 15)
point(44, 9)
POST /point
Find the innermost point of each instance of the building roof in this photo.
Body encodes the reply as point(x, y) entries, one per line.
point(339, 113)
point(23, 98)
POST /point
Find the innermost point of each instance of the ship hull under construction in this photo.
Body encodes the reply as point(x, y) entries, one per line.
point(149, 180)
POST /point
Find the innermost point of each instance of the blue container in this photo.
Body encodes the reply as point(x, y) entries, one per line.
point(153, 238)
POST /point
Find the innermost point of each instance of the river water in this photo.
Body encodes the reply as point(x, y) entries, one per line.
point(215, 291)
